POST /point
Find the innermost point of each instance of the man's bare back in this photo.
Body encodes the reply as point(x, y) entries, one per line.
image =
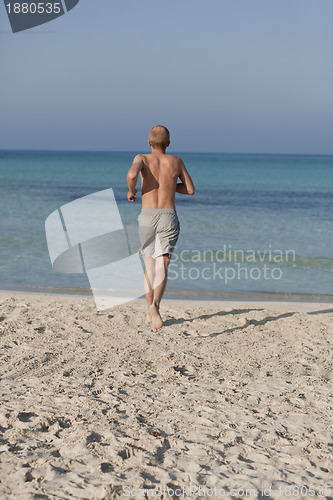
point(158, 220)
point(159, 173)
point(159, 176)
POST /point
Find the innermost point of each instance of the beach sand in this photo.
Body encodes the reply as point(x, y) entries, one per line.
point(235, 396)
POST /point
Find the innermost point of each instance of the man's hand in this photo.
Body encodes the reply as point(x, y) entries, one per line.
point(131, 195)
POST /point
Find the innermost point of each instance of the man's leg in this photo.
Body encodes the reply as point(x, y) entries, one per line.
point(160, 281)
point(161, 277)
point(149, 280)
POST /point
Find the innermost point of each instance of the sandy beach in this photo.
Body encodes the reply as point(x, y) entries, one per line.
point(229, 400)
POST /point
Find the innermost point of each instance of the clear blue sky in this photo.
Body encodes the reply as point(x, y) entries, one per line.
point(223, 75)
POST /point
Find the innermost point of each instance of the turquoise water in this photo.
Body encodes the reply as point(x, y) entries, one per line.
point(257, 223)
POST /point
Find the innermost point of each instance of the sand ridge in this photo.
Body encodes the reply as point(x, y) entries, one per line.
point(228, 395)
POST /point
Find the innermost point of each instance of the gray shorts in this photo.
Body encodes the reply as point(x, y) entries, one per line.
point(158, 231)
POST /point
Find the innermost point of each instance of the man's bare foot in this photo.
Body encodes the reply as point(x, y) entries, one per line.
point(155, 316)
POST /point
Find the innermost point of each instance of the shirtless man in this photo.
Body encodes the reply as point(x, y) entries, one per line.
point(158, 222)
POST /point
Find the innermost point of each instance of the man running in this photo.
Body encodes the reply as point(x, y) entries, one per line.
point(158, 222)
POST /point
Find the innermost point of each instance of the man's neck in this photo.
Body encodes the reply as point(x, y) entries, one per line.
point(158, 151)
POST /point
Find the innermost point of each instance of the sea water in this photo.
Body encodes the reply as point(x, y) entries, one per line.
point(257, 224)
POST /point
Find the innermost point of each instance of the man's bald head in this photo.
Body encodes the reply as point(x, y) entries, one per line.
point(159, 137)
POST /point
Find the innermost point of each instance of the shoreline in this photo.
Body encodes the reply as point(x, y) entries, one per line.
point(184, 295)
point(195, 303)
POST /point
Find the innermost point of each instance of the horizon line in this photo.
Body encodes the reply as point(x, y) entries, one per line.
point(147, 151)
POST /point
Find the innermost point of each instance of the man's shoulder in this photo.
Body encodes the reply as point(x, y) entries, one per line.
point(175, 158)
point(139, 156)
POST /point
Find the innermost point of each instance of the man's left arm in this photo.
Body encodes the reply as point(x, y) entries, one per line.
point(132, 177)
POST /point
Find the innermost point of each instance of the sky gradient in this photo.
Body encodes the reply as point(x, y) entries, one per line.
point(243, 76)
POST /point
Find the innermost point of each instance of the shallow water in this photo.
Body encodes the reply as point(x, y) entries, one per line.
point(257, 223)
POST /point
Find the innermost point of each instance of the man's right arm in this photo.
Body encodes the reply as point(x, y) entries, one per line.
point(186, 185)
point(132, 177)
